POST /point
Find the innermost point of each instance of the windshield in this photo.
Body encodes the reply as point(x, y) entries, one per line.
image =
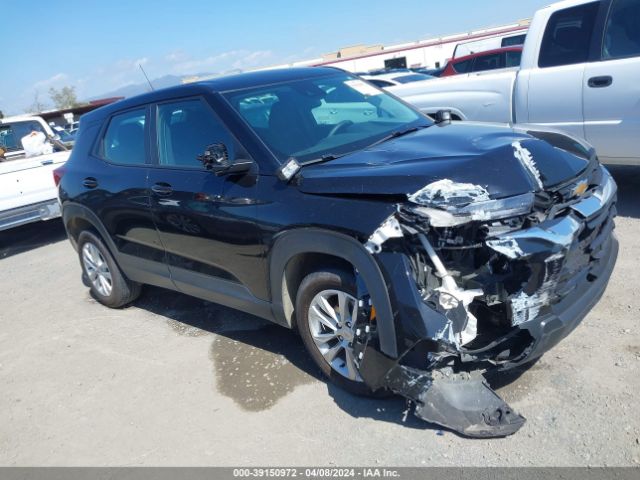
point(314, 118)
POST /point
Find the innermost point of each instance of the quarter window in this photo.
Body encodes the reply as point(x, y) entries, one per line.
point(185, 129)
point(567, 38)
point(123, 141)
point(622, 35)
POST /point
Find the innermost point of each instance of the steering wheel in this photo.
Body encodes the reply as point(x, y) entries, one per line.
point(339, 126)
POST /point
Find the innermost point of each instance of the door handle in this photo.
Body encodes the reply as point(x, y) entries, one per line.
point(162, 188)
point(90, 182)
point(600, 82)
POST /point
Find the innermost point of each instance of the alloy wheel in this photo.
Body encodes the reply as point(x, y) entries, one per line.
point(97, 269)
point(331, 317)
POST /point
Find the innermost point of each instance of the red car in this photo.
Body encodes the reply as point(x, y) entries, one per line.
point(489, 60)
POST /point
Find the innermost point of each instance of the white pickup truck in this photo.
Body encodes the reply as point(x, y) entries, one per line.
point(580, 72)
point(27, 190)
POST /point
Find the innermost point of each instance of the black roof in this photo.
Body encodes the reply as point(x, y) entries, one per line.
point(223, 84)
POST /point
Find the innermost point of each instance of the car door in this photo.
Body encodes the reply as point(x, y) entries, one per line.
point(197, 213)
point(612, 87)
point(555, 85)
point(116, 188)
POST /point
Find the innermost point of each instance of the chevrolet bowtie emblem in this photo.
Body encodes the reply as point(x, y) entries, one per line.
point(580, 188)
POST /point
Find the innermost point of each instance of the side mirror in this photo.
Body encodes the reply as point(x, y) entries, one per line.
point(443, 117)
point(216, 159)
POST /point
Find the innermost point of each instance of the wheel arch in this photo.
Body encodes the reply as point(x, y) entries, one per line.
point(296, 251)
point(78, 218)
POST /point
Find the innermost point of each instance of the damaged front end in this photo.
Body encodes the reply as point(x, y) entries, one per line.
point(478, 283)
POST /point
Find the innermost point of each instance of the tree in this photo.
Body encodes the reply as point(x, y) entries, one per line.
point(64, 98)
point(37, 106)
point(1, 114)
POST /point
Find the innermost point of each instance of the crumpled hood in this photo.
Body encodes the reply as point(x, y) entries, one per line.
point(505, 161)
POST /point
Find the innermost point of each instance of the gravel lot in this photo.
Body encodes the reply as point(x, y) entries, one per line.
point(174, 380)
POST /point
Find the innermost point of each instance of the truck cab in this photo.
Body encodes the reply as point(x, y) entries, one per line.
point(580, 73)
point(27, 190)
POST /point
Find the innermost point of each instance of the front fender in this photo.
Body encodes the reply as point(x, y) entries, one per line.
point(313, 240)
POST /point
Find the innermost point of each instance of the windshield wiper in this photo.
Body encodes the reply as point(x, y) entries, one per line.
point(324, 158)
point(397, 134)
point(332, 156)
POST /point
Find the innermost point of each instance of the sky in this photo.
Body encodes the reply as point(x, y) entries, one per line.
point(96, 46)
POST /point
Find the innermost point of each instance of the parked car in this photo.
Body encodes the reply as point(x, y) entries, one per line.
point(433, 72)
point(396, 78)
point(27, 190)
point(72, 127)
point(411, 256)
point(508, 57)
point(66, 138)
point(580, 73)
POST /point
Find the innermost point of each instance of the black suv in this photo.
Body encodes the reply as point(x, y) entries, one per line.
point(412, 255)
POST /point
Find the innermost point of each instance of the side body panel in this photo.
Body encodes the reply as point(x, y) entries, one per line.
point(481, 96)
point(30, 180)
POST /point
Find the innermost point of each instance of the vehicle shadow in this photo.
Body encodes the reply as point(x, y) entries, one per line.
point(28, 237)
point(628, 179)
point(256, 363)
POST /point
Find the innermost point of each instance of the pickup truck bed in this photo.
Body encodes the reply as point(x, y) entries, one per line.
point(27, 190)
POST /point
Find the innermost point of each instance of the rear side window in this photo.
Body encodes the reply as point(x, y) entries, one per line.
point(489, 62)
point(123, 142)
point(463, 67)
point(622, 35)
point(185, 130)
point(567, 38)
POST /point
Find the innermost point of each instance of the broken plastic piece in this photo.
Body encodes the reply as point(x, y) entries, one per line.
point(468, 406)
point(507, 246)
point(390, 228)
point(453, 215)
point(448, 192)
point(462, 402)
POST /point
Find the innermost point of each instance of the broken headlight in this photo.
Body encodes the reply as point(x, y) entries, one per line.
point(451, 215)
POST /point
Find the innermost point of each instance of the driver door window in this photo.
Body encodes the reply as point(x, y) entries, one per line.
point(185, 129)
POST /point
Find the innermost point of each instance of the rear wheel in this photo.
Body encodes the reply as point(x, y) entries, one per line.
point(326, 310)
point(107, 282)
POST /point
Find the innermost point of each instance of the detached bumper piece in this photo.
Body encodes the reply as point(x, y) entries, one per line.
point(464, 403)
point(468, 406)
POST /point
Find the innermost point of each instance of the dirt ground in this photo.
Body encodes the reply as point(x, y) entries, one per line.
point(174, 380)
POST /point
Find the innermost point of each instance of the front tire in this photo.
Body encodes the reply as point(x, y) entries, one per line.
point(108, 284)
point(326, 307)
